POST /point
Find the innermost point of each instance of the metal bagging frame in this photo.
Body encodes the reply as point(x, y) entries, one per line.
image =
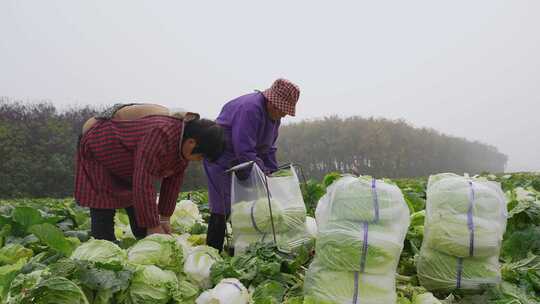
point(249, 164)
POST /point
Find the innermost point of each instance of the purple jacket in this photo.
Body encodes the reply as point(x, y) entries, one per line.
point(250, 135)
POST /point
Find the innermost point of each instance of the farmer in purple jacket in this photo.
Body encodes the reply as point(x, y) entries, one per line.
point(251, 124)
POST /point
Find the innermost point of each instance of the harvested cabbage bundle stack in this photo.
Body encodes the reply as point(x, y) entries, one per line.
point(255, 219)
point(464, 226)
point(362, 223)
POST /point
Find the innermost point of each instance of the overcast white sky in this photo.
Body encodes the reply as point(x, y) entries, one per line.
point(465, 68)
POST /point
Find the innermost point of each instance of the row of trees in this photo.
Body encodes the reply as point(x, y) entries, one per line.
point(38, 142)
point(382, 148)
point(37, 148)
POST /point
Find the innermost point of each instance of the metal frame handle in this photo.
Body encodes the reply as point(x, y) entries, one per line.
point(240, 167)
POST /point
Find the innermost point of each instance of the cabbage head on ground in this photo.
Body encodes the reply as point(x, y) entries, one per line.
point(198, 263)
point(100, 252)
point(228, 291)
point(157, 249)
point(185, 216)
point(152, 285)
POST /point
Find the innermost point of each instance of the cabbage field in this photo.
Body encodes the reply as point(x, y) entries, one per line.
point(47, 256)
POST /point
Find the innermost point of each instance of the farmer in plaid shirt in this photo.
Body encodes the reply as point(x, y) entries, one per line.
point(251, 124)
point(130, 148)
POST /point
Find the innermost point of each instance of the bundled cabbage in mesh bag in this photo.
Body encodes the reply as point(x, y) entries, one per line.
point(342, 246)
point(161, 250)
point(362, 223)
point(451, 235)
point(297, 237)
point(254, 216)
point(362, 199)
point(450, 193)
point(353, 199)
point(324, 286)
point(152, 285)
point(288, 241)
point(228, 291)
point(440, 272)
point(185, 216)
point(464, 216)
point(464, 226)
point(363, 244)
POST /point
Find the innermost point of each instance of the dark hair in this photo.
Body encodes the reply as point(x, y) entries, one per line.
point(208, 135)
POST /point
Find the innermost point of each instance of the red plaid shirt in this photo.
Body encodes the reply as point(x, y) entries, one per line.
point(120, 161)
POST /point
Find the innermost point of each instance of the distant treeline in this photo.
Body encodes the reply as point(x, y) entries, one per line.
point(38, 142)
point(382, 148)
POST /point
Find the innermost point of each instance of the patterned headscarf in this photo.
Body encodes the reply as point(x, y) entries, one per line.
point(283, 95)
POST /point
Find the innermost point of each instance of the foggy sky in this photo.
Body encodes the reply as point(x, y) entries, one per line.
point(466, 68)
